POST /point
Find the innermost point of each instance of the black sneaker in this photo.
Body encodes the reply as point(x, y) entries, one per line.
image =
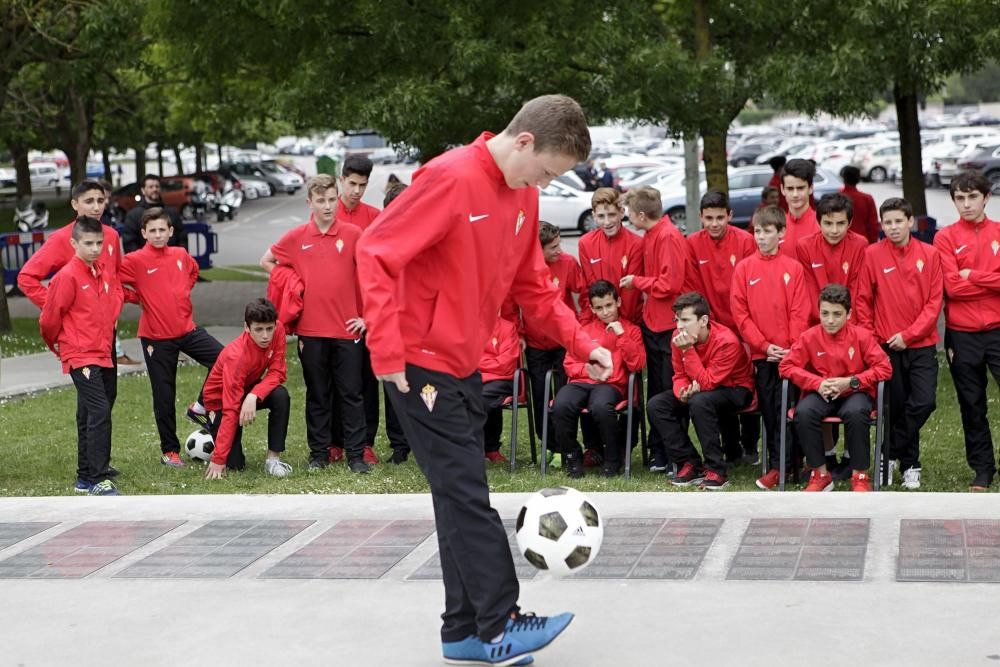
point(842, 471)
point(399, 456)
point(357, 464)
point(981, 482)
point(610, 468)
point(317, 464)
point(689, 474)
point(573, 465)
point(659, 462)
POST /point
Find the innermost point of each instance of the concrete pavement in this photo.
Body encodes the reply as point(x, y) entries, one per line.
point(392, 620)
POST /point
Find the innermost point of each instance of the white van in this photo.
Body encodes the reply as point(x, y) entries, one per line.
point(44, 174)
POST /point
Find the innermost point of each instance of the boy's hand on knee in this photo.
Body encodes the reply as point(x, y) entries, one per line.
point(249, 410)
point(215, 471)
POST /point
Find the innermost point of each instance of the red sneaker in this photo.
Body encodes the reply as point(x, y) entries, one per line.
point(713, 481)
point(860, 481)
point(770, 480)
point(592, 458)
point(336, 454)
point(820, 482)
point(496, 457)
point(172, 459)
point(369, 456)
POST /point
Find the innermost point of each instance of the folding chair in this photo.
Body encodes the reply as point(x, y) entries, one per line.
point(520, 398)
point(753, 410)
point(876, 418)
point(632, 409)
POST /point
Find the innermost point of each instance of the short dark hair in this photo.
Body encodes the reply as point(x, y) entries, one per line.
point(851, 175)
point(695, 301)
point(768, 189)
point(895, 204)
point(836, 294)
point(769, 216)
point(86, 225)
point(834, 202)
point(601, 288)
point(799, 168)
point(106, 185)
point(357, 164)
point(715, 199)
point(149, 177)
point(969, 181)
point(777, 162)
point(394, 191)
point(260, 311)
point(155, 213)
point(85, 186)
point(547, 232)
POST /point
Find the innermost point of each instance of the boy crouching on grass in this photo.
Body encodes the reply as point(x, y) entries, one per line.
point(837, 365)
point(78, 324)
point(249, 375)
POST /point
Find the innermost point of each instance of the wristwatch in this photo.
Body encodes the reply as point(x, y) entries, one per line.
point(855, 383)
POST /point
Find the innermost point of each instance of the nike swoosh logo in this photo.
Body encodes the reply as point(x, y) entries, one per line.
point(85, 286)
point(357, 340)
point(891, 268)
point(816, 266)
point(958, 250)
point(595, 260)
point(148, 271)
point(477, 218)
point(754, 282)
point(306, 247)
point(820, 354)
point(703, 261)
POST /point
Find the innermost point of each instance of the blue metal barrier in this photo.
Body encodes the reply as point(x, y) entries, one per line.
point(16, 248)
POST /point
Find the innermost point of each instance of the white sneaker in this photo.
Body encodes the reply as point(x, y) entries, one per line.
point(277, 468)
point(892, 471)
point(911, 478)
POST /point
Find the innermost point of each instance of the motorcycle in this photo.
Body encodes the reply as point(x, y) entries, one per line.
point(228, 204)
point(30, 216)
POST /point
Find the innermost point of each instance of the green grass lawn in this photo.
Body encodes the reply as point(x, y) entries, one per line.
point(24, 338)
point(60, 213)
point(237, 273)
point(38, 449)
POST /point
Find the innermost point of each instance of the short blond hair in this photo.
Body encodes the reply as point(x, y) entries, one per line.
point(319, 184)
point(645, 200)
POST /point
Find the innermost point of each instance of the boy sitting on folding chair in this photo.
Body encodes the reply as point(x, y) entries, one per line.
point(838, 366)
point(624, 340)
point(497, 367)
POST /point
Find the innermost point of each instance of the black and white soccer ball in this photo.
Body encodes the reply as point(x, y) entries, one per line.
point(559, 530)
point(200, 445)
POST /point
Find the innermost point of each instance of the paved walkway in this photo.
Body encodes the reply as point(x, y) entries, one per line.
point(310, 580)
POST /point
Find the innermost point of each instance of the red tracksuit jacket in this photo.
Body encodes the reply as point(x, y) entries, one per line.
point(664, 258)
point(611, 259)
point(284, 290)
point(864, 220)
point(566, 275)
point(327, 265)
point(243, 367)
point(627, 352)
point(502, 352)
point(817, 356)
point(797, 228)
point(973, 303)
point(710, 268)
point(825, 264)
point(362, 216)
point(162, 281)
point(79, 315)
point(438, 267)
point(721, 361)
point(900, 290)
point(770, 302)
point(56, 253)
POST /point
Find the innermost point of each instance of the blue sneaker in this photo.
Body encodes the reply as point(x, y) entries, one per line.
point(524, 634)
point(105, 488)
point(82, 486)
point(472, 651)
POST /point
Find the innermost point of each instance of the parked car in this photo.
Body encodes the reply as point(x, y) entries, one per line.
point(565, 207)
point(44, 174)
point(876, 162)
point(747, 153)
point(986, 162)
point(175, 195)
point(745, 186)
point(277, 178)
point(790, 146)
point(946, 166)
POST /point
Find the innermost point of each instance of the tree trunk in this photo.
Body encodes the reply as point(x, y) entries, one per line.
point(159, 158)
point(218, 149)
point(20, 155)
point(909, 148)
point(692, 219)
point(75, 130)
point(140, 162)
point(106, 161)
point(180, 163)
point(199, 158)
point(716, 165)
point(5, 324)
